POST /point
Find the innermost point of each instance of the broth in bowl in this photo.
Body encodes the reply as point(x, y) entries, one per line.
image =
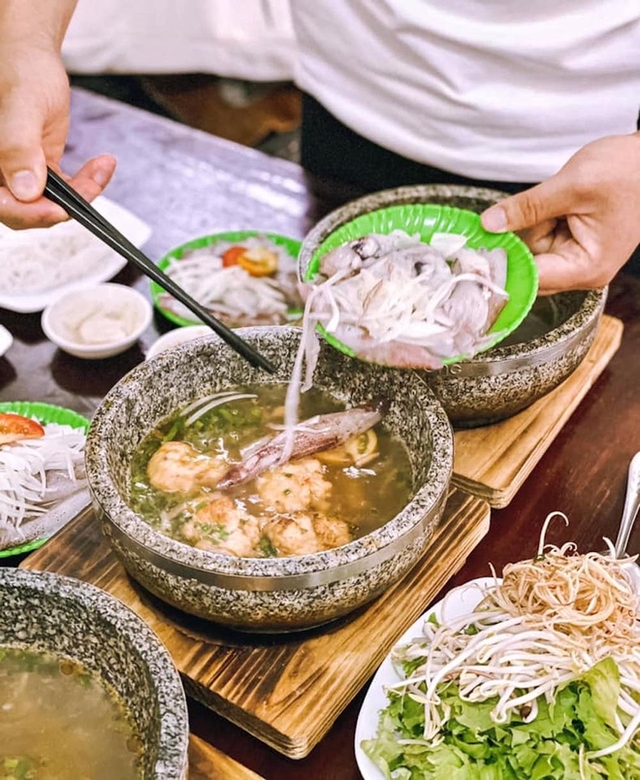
point(58, 721)
point(217, 474)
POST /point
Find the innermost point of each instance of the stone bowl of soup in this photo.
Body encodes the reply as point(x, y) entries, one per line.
point(86, 688)
point(176, 465)
point(533, 360)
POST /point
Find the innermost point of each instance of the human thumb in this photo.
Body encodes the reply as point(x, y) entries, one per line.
point(22, 159)
point(549, 200)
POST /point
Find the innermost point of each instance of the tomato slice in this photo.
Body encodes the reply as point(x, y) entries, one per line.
point(257, 261)
point(14, 427)
point(232, 255)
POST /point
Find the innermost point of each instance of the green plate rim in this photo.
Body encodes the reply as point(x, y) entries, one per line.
point(44, 413)
point(432, 216)
point(292, 246)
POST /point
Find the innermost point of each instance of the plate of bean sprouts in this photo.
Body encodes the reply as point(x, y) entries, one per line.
point(532, 674)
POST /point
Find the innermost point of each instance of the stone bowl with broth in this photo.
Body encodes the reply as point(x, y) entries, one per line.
point(533, 360)
point(86, 688)
point(312, 539)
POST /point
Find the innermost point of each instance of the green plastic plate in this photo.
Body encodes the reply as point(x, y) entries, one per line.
point(427, 219)
point(44, 413)
point(291, 245)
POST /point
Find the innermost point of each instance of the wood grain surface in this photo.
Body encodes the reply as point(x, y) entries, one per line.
point(492, 462)
point(209, 763)
point(286, 690)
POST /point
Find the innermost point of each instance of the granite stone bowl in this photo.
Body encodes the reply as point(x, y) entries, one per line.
point(265, 594)
point(544, 351)
point(51, 613)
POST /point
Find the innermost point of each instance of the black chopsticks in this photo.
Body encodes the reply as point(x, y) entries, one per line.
point(61, 193)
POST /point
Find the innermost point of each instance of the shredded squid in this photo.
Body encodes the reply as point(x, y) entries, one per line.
point(399, 301)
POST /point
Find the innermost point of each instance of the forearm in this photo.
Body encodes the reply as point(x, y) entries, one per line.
point(38, 22)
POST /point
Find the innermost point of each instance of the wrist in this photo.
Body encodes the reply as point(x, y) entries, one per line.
point(38, 24)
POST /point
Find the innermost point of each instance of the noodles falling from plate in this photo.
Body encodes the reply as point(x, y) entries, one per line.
point(396, 300)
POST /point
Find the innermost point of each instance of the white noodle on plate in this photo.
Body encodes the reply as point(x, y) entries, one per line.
point(38, 260)
point(39, 264)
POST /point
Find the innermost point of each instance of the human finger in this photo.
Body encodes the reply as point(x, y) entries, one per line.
point(94, 176)
point(547, 201)
point(561, 273)
point(19, 215)
point(22, 157)
point(89, 182)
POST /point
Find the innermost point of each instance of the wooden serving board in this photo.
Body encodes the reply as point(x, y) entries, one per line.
point(209, 763)
point(492, 462)
point(286, 690)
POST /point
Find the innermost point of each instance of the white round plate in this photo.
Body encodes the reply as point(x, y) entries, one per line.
point(128, 224)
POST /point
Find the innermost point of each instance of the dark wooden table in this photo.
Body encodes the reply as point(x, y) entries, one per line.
point(184, 184)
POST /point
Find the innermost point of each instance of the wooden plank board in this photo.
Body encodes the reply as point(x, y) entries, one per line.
point(209, 763)
point(492, 462)
point(286, 690)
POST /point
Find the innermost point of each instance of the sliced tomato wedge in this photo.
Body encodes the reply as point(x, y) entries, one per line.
point(231, 256)
point(14, 427)
point(257, 261)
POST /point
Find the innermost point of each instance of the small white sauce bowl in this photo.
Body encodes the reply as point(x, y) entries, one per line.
point(6, 340)
point(97, 322)
point(177, 336)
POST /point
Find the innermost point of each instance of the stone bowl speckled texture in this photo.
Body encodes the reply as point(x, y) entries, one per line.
point(51, 613)
point(496, 384)
point(265, 594)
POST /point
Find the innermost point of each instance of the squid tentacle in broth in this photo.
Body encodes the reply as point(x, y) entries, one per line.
point(323, 432)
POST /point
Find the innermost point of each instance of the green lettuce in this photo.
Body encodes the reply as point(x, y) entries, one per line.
point(580, 720)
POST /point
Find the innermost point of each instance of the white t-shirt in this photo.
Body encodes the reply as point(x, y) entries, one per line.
point(243, 39)
point(505, 90)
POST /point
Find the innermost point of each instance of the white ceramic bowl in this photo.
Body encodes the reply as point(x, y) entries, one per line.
point(97, 322)
point(177, 336)
point(6, 340)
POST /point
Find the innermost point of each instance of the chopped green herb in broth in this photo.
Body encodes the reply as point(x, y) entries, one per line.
point(304, 506)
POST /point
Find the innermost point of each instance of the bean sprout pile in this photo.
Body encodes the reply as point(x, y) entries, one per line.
point(546, 623)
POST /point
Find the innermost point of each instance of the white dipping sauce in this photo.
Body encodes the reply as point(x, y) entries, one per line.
point(97, 322)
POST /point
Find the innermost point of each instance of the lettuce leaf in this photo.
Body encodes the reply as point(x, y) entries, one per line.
point(579, 720)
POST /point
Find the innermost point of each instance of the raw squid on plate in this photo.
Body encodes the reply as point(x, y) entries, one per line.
point(396, 300)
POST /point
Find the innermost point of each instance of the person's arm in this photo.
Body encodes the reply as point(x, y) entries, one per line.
point(583, 223)
point(34, 112)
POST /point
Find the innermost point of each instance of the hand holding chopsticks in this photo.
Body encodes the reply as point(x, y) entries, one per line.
point(58, 191)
